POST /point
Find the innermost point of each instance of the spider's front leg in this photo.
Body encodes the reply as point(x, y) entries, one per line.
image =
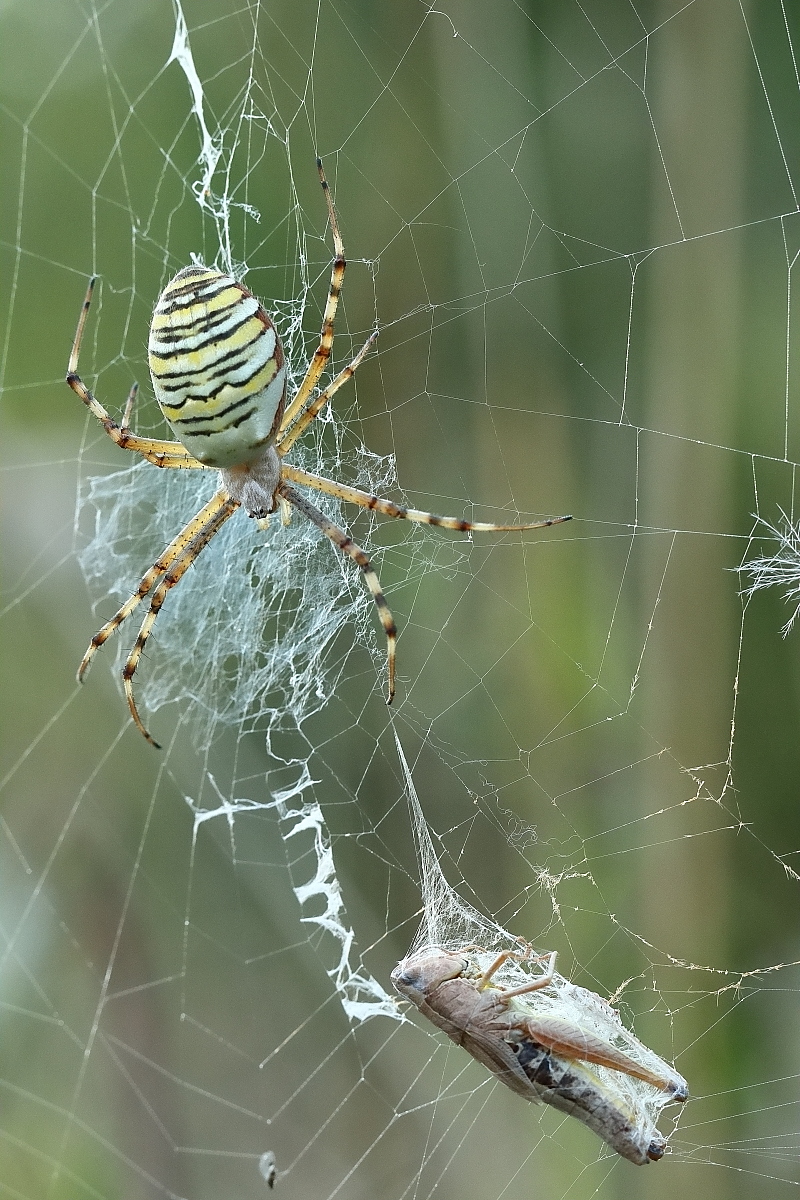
point(323, 351)
point(161, 454)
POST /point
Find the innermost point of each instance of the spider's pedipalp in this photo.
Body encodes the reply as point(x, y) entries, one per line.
point(347, 546)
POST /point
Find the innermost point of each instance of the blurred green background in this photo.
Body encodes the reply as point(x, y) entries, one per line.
point(576, 226)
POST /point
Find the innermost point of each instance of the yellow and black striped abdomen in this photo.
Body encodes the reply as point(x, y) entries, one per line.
point(217, 366)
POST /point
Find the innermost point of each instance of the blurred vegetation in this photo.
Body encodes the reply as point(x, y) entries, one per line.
point(575, 237)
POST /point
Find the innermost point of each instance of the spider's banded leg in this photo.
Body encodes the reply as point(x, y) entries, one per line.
point(323, 351)
point(284, 443)
point(174, 575)
point(161, 454)
point(348, 547)
point(389, 509)
point(172, 461)
point(162, 564)
point(569, 1040)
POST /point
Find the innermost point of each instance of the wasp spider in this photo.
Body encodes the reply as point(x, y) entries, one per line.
point(219, 376)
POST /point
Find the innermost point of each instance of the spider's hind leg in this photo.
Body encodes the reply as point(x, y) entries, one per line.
point(225, 507)
point(348, 547)
point(162, 564)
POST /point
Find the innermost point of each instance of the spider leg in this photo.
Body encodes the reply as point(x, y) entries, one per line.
point(181, 456)
point(348, 547)
point(305, 418)
point(125, 423)
point(566, 1038)
point(162, 564)
point(162, 454)
point(224, 509)
point(323, 351)
point(389, 509)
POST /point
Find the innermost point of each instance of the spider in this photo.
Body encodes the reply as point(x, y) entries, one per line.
point(219, 376)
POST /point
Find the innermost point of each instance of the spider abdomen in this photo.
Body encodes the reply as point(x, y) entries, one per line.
point(217, 366)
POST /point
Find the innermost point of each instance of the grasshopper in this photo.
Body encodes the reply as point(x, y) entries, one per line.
point(539, 1055)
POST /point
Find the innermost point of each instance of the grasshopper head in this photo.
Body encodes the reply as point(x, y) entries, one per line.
point(418, 975)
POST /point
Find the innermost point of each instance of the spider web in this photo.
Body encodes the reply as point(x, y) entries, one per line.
point(576, 227)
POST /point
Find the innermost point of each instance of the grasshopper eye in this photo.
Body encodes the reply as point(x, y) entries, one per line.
point(655, 1150)
point(410, 977)
point(678, 1090)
